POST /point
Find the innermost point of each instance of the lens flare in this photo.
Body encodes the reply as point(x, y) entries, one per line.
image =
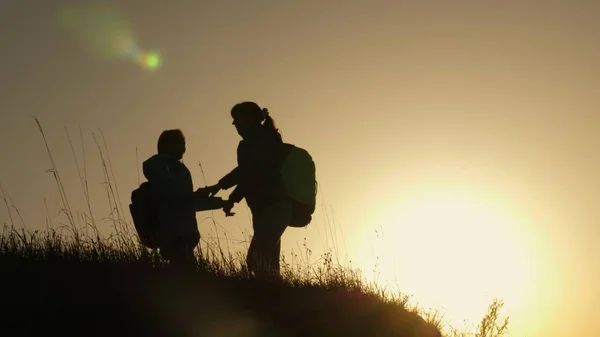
point(107, 34)
point(152, 60)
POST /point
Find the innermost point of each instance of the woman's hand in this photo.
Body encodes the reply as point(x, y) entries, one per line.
point(227, 207)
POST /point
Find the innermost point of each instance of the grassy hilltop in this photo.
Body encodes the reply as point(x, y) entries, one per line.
point(80, 286)
point(72, 281)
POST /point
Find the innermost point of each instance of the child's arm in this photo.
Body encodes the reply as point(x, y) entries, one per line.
point(165, 184)
point(203, 203)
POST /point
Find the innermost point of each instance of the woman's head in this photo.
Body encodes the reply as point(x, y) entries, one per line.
point(249, 115)
point(172, 142)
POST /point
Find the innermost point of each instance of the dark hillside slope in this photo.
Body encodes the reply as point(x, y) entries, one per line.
point(76, 294)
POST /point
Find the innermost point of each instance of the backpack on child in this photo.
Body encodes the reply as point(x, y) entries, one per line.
point(142, 210)
point(298, 174)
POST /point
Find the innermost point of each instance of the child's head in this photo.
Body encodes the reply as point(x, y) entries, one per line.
point(172, 142)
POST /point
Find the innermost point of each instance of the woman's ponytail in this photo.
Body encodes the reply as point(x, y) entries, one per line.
point(257, 114)
point(269, 123)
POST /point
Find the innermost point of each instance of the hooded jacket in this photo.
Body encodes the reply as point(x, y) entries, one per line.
point(173, 189)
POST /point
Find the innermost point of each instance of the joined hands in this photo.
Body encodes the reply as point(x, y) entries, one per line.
point(208, 191)
point(211, 191)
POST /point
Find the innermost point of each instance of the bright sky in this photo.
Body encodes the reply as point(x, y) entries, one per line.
point(455, 142)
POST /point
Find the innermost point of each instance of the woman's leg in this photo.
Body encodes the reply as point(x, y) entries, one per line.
point(265, 248)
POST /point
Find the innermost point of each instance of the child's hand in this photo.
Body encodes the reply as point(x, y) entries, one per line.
point(208, 191)
point(201, 192)
point(212, 190)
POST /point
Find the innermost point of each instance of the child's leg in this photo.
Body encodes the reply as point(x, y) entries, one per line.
point(180, 252)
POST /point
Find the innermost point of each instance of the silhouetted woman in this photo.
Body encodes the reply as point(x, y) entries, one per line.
point(258, 180)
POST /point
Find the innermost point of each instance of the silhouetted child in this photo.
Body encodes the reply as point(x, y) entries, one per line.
point(175, 199)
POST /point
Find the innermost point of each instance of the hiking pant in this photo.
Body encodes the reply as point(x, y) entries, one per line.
point(180, 251)
point(269, 223)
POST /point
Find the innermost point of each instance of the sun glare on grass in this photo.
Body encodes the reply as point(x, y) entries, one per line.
point(452, 251)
